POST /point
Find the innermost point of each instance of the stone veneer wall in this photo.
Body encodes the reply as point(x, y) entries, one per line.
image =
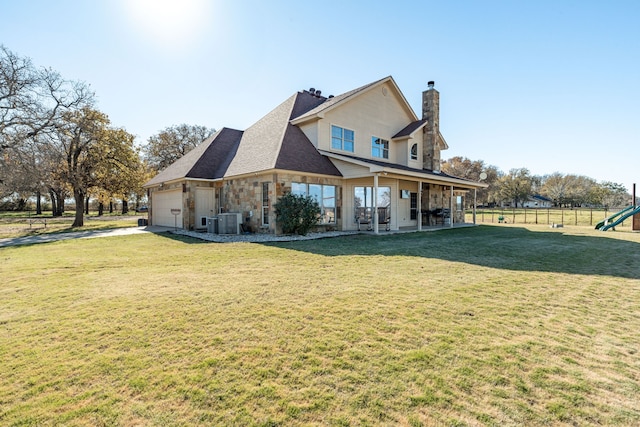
point(458, 216)
point(190, 201)
point(244, 195)
point(436, 196)
point(431, 132)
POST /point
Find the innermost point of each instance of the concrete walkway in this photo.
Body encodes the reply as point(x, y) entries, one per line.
point(89, 234)
point(222, 238)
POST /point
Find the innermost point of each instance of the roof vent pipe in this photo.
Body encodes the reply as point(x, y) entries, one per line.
point(312, 90)
point(318, 92)
point(431, 84)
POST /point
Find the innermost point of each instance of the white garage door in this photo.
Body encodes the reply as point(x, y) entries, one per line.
point(161, 204)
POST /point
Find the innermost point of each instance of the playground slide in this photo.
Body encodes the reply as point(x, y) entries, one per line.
point(613, 217)
point(635, 210)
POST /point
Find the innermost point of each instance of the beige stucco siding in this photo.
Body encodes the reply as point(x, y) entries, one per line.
point(372, 113)
point(310, 129)
point(349, 199)
point(404, 205)
point(401, 150)
point(351, 170)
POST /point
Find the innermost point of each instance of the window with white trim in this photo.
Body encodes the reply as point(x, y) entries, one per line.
point(379, 147)
point(325, 195)
point(414, 152)
point(341, 138)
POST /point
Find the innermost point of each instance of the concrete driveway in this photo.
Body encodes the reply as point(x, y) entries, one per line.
point(89, 234)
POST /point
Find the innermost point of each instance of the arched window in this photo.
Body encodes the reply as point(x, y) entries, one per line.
point(414, 152)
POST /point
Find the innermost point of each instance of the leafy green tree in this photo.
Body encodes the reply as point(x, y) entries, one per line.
point(93, 156)
point(516, 186)
point(568, 190)
point(579, 187)
point(463, 167)
point(612, 195)
point(297, 214)
point(555, 188)
point(75, 144)
point(119, 171)
point(32, 103)
point(174, 142)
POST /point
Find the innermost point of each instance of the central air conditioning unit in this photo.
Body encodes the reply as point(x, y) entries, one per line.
point(212, 225)
point(229, 223)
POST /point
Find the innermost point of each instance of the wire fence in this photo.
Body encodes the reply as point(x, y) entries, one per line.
point(549, 216)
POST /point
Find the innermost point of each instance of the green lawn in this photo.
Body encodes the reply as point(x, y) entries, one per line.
point(19, 224)
point(492, 325)
point(546, 216)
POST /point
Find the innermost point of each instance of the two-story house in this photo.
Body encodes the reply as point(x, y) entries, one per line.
point(365, 156)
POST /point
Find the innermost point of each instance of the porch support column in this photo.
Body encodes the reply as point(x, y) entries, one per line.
point(475, 195)
point(419, 206)
point(375, 204)
point(451, 208)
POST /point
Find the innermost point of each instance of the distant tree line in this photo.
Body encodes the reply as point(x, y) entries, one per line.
point(516, 186)
point(56, 145)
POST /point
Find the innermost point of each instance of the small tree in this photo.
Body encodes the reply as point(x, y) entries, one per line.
point(516, 186)
point(297, 214)
point(174, 142)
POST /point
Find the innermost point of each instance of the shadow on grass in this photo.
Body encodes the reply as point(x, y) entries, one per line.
point(182, 238)
point(73, 234)
point(510, 248)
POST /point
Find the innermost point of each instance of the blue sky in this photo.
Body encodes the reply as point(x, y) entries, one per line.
point(553, 86)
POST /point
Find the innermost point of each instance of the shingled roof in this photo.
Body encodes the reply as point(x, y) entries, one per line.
point(209, 160)
point(410, 128)
point(271, 143)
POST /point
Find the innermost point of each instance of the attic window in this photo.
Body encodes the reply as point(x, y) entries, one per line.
point(414, 152)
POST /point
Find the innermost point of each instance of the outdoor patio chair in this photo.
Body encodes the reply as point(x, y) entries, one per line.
point(363, 217)
point(384, 217)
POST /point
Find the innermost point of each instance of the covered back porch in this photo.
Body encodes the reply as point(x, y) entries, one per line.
point(390, 201)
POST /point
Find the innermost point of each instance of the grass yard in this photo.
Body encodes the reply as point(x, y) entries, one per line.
point(547, 216)
point(492, 325)
point(19, 225)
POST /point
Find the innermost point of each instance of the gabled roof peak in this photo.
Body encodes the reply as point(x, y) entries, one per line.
point(331, 102)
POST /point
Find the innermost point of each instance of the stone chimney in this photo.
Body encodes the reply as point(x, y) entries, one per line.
point(431, 136)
